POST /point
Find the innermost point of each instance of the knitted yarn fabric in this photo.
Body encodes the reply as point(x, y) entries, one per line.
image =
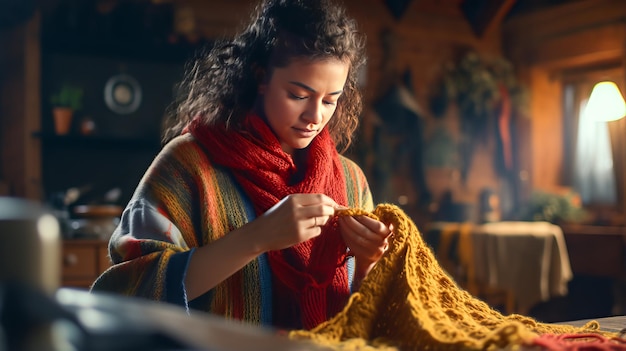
point(409, 302)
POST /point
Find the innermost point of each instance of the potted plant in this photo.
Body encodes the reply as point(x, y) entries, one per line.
point(565, 207)
point(65, 102)
point(484, 90)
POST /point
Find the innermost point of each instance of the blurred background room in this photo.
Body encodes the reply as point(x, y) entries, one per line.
point(479, 121)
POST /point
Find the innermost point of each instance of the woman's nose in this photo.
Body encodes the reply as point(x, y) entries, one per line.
point(313, 113)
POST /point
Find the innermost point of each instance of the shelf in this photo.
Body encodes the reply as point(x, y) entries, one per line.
point(98, 141)
point(126, 50)
point(129, 30)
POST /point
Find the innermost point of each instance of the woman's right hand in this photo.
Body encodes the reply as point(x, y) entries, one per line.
point(294, 219)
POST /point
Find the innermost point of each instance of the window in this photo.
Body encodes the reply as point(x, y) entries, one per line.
point(594, 150)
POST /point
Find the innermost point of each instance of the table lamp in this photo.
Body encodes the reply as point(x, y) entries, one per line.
point(606, 102)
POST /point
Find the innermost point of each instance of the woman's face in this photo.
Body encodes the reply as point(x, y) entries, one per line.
point(301, 98)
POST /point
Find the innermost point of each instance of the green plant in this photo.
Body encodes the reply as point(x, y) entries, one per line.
point(68, 95)
point(481, 89)
point(476, 85)
point(555, 208)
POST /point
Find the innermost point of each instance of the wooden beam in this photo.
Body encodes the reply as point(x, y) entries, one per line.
point(483, 14)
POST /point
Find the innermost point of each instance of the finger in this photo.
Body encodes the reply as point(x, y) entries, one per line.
point(314, 199)
point(359, 233)
point(358, 245)
point(365, 249)
point(322, 212)
point(373, 225)
point(340, 207)
point(319, 221)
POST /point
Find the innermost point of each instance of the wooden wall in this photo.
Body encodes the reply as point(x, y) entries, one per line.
point(20, 163)
point(430, 34)
point(545, 46)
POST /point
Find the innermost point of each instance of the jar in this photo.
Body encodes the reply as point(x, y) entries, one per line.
point(30, 245)
point(95, 221)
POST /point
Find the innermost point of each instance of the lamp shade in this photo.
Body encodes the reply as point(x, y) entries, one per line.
point(606, 102)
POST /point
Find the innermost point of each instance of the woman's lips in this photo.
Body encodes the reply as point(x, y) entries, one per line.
point(305, 133)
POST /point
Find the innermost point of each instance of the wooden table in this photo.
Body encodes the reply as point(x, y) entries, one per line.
point(611, 324)
point(527, 261)
point(599, 251)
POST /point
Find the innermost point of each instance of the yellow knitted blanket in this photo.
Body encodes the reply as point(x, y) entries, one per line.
point(409, 302)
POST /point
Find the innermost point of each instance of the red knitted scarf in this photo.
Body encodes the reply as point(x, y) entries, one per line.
point(310, 275)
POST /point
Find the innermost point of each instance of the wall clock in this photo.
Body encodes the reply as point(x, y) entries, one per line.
point(122, 94)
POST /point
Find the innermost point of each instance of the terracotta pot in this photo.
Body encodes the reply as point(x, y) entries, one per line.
point(62, 119)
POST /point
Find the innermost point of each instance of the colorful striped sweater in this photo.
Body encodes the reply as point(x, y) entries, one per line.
point(182, 202)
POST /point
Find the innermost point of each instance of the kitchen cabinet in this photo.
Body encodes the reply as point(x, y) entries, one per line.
point(82, 261)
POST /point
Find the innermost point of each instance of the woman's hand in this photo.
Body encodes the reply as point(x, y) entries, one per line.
point(367, 240)
point(294, 219)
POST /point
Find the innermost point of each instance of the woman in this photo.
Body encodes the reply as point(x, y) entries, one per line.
point(236, 215)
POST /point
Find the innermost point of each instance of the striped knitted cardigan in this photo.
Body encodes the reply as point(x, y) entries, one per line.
point(183, 202)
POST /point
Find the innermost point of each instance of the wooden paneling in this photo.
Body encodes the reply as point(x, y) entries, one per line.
point(82, 261)
point(20, 110)
point(576, 35)
point(430, 34)
point(216, 19)
point(491, 13)
point(593, 45)
point(546, 132)
point(597, 251)
point(526, 31)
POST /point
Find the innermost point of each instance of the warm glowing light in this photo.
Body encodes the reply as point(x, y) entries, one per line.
point(606, 102)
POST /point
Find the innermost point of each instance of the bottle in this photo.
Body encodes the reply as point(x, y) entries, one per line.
point(489, 206)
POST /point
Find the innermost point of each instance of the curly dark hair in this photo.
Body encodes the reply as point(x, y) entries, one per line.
point(221, 84)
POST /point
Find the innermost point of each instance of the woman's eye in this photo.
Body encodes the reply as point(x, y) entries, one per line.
point(331, 103)
point(296, 97)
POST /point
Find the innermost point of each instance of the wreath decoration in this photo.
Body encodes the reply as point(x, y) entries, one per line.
point(483, 90)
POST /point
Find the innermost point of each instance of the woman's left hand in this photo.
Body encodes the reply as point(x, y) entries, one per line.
point(367, 240)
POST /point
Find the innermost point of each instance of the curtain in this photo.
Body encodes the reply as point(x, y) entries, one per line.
point(594, 175)
point(617, 131)
point(600, 147)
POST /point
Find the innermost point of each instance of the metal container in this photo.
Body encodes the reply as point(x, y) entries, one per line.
point(30, 245)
